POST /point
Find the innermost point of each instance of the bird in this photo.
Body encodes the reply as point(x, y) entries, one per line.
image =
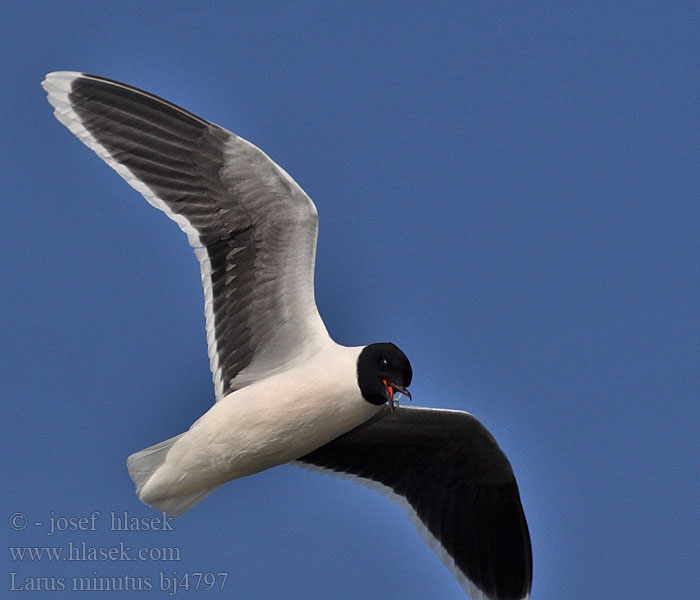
point(254, 230)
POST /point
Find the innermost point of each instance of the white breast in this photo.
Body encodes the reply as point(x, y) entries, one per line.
point(267, 423)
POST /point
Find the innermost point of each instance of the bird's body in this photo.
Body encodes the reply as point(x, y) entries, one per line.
point(285, 392)
point(236, 436)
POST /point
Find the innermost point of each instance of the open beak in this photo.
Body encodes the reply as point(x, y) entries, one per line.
point(393, 388)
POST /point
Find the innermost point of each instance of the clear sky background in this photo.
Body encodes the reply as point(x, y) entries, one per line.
point(510, 193)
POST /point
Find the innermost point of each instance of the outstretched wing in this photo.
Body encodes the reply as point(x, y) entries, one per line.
point(252, 227)
point(455, 483)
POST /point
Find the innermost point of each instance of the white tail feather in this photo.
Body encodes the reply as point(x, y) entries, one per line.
point(144, 464)
point(174, 507)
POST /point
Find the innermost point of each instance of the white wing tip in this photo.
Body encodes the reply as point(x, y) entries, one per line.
point(57, 86)
point(59, 81)
point(66, 75)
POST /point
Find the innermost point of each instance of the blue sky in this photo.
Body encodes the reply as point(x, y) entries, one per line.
point(508, 192)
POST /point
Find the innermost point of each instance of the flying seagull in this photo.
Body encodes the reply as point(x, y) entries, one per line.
point(254, 230)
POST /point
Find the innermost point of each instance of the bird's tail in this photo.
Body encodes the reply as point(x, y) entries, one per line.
point(150, 473)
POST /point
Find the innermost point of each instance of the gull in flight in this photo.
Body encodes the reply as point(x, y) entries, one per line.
point(254, 230)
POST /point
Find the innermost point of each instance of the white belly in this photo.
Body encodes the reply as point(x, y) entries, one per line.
point(265, 424)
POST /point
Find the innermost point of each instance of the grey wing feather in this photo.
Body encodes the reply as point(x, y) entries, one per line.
point(252, 227)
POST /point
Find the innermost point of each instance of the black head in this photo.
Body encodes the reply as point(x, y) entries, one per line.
point(383, 370)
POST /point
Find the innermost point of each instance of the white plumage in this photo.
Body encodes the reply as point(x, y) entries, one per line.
point(268, 423)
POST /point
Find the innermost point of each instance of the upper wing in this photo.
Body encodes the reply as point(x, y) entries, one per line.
point(456, 485)
point(252, 227)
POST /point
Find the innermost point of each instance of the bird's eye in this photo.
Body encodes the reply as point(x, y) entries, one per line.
point(384, 364)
